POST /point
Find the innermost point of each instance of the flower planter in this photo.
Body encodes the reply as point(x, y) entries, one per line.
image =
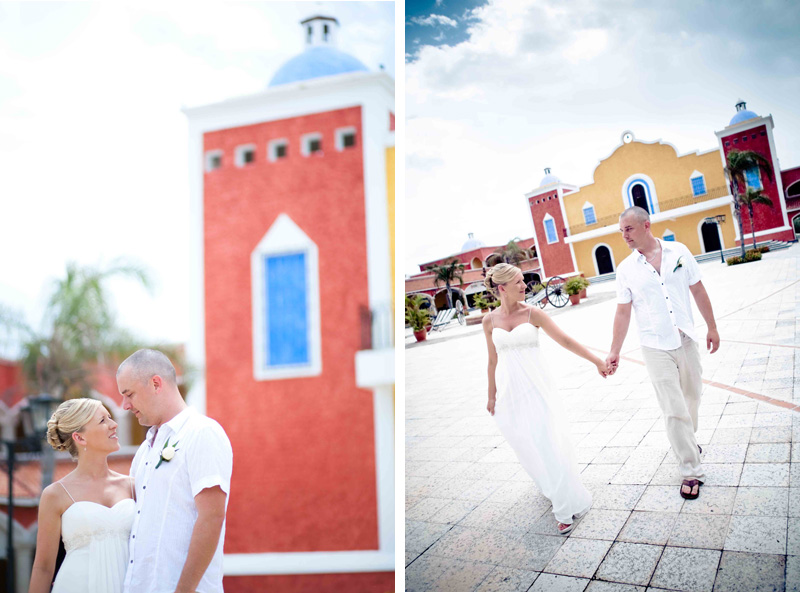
point(583, 294)
point(421, 335)
point(575, 299)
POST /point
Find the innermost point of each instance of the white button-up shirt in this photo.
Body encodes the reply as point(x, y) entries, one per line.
point(661, 301)
point(165, 509)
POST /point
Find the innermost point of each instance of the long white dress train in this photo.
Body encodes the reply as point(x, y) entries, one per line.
point(96, 539)
point(529, 413)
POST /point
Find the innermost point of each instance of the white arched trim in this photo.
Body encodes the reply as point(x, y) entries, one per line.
point(795, 185)
point(700, 235)
point(594, 257)
point(548, 218)
point(650, 191)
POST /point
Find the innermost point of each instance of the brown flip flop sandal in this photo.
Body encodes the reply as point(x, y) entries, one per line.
point(691, 484)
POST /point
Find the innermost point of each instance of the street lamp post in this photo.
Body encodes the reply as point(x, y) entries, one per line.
point(34, 423)
point(718, 220)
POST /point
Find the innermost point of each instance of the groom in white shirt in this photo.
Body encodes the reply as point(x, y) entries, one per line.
point(182, 473)
point(655, 281)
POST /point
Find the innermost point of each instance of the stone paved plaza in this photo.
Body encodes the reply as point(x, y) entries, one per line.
point(476, 522)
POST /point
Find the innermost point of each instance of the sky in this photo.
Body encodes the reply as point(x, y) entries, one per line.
point(497, 91)
point(93, 142)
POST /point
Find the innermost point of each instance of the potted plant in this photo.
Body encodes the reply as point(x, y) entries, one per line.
point(573, 288)
point(481, 302)
point(586, 283)
point(416, 317)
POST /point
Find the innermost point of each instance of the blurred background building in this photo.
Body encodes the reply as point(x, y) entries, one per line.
point(292, 196)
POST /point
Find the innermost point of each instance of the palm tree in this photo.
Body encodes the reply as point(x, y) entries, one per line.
point(80, 333)
point(738, 162)
point(754, 196)
point(447, 273)
point(510, 253)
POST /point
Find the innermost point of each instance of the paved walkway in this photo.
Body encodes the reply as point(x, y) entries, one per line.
point(476, 522)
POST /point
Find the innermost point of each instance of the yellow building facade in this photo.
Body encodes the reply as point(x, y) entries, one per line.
point(680, 191)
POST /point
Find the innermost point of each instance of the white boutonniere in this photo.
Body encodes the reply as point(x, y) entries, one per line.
point(680, 264)
point(167, 452)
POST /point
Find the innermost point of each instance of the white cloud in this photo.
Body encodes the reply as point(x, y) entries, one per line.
point(550, 84)
point(433, 20)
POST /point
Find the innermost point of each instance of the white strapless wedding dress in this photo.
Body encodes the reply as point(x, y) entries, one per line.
point(529, 413)
point(96, 540)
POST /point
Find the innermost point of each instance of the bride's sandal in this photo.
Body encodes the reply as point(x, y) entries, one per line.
point(564, 529)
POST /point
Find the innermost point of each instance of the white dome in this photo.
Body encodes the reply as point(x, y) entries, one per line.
point(472, 243)
point(548, 178)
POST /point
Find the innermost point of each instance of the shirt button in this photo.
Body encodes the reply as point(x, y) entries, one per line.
point(145, 487)
point(138, 512)
point(131, 561)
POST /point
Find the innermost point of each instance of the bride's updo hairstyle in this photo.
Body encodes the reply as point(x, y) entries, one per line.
point(497, 275)
point(71, 416)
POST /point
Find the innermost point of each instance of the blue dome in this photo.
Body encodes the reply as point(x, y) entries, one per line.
point(316, 62)
point(741, 116)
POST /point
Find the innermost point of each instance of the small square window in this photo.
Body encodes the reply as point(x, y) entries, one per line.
point(753, 137)
point(763, 133)
point(736, 141)
point(277, 149)
point(245, 155)
point(727, 144)
point(345, 138)
point(311, 144)
point(213, 160)
point(744, 138)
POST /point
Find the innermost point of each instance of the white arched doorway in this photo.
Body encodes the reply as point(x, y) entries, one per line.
point(603, 259)
point(710, 235)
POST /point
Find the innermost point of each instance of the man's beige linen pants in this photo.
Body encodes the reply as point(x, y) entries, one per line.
point(676, 376)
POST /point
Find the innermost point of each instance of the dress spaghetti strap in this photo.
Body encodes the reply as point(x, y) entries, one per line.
point(529, 313)
point(491, 318)
point(67, 491)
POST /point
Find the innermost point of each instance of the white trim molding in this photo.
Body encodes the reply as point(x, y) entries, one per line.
point(666, 215)
point(307, 563)
point(650, 192)
point(285, 238)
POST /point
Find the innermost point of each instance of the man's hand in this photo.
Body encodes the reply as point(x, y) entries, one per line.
point(712, 340)
point(612, 362)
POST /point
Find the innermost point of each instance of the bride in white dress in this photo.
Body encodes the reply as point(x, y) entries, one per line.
point(524, 399)
point(91, 508)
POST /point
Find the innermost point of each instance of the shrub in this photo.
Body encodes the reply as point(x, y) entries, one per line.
point(732, 261)
point(574, 285)
point(752, 255)
point(763, 249)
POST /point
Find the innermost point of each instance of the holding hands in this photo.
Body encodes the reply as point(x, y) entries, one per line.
point(612, 360)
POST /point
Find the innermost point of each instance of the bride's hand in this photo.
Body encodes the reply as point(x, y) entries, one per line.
point(490, 405)
point(603, 368)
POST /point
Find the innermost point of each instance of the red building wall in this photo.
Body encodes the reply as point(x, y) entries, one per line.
point(556, 258)
point(304, 460)
point(766, 217)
